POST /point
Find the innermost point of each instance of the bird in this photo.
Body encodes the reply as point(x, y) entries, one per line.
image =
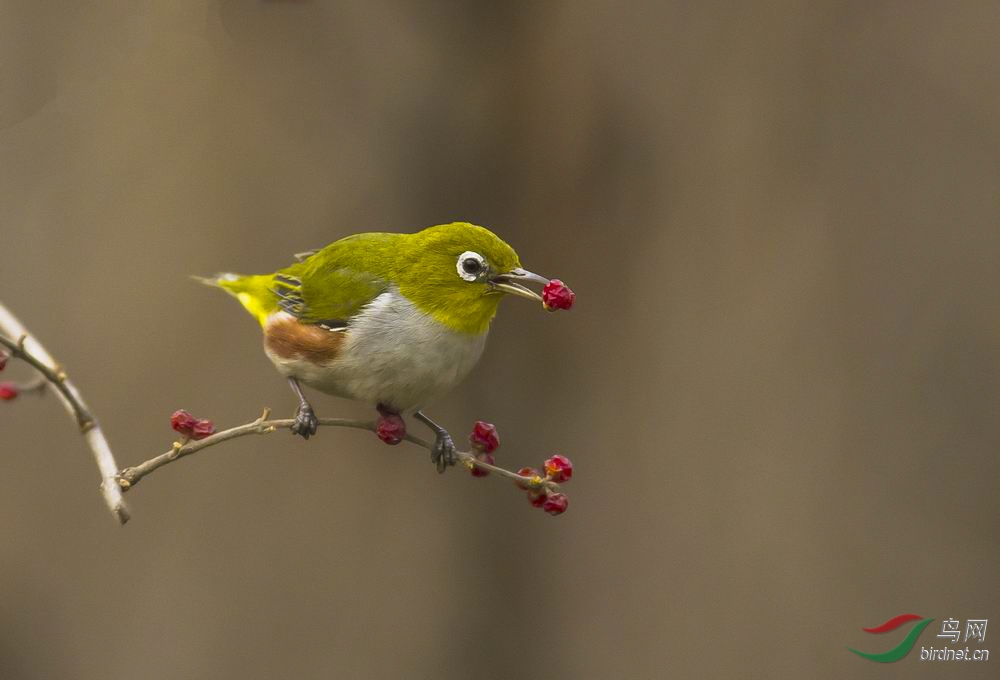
point(395, 320)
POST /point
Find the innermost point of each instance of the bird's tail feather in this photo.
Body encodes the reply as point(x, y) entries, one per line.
point(254, 292)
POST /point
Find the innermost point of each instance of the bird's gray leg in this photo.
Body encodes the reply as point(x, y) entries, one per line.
point(305, 420)
point(444, 453)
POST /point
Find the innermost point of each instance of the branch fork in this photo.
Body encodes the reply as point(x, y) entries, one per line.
point(29, 350)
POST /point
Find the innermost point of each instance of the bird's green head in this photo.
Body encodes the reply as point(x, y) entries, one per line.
point(459, 272)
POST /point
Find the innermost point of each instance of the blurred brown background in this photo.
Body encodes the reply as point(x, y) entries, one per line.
point(779, 386)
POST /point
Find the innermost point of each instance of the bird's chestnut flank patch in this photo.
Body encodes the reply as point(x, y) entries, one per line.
point(3, 361)
point(557, 295)
point(188, 426)
point(8, 391)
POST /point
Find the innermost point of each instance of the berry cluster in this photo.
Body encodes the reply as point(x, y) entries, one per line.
point(541, 489)
point(558, 469)
point(189, 426)
point(557, 295)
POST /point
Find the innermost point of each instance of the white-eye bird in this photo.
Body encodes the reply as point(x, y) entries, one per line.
point(394, 320)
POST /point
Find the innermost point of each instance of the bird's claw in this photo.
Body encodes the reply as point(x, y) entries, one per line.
point(306, 422)
point(444, 453)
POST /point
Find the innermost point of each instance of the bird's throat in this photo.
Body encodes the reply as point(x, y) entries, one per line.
point(462, 310)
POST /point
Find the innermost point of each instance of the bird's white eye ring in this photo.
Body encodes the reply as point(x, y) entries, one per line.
point(471, 266)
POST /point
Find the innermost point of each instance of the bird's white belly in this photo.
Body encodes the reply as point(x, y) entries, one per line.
point(393, 354)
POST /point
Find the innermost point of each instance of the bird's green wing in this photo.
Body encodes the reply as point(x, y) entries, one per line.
point(332, 284)
point(329, 299)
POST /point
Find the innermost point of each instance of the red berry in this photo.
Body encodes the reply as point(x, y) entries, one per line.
point(202, 429)
point(555, 504)
point(559, 468)
point(3, 361)
point(8, 391)
point(484, 437)
point(529, 473)
point(477, 471)
point(537, 498)
point(183, 422)
point(390, 429)
point(557, 295)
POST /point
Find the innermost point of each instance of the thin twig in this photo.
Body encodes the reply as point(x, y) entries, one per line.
point(130, 476)
point(36, 384)
point(24, 346)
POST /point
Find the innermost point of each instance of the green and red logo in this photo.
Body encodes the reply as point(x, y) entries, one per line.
point(904, 647)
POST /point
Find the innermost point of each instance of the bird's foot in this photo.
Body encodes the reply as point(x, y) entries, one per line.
point(390, 427)
point(306, 421)
point(444, 453)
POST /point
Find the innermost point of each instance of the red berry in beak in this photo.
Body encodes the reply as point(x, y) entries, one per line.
point(8, 391)
point(557, 295)
point(555, 504)
point(183, 422)
point(484, 437)
point(202, 429)
point(559, 468)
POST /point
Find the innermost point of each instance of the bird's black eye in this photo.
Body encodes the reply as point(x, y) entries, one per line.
point(471, 265)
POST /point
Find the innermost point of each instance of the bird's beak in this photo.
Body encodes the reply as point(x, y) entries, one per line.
point(514, 280)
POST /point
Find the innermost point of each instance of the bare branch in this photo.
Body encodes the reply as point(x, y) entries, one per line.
point(130, 476)
point(24, 346)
